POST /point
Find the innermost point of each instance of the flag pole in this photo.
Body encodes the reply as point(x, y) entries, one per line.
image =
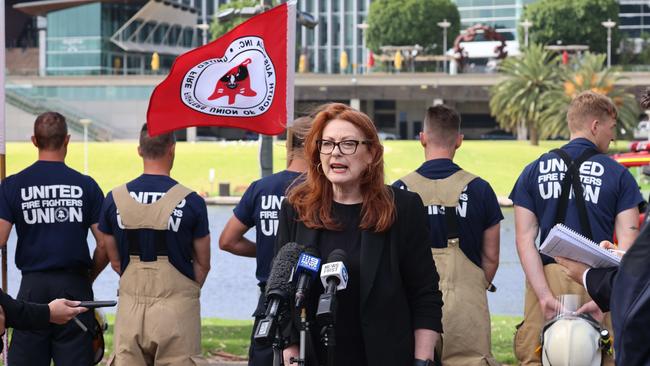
point(2, 145)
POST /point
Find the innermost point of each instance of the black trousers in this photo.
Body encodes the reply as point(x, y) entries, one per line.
point(259, 355)
point(65, 344)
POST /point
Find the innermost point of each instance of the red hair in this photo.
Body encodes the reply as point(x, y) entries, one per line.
point(312, 198)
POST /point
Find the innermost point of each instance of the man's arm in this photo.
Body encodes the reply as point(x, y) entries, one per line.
point(5, 230)
point(490, 252)
point(201, 257)
point(627, 227)
point(232, 239)
point(110, 244)
point(526, 228)
point(100, 256)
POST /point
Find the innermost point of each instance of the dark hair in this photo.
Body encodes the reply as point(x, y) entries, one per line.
point(50, 131)
point(156, 146)
point(442, 124)
point(312, 198)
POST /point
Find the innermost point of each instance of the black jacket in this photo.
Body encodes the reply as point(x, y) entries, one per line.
point(24, 315)
point(399, 281)
point(626, 291)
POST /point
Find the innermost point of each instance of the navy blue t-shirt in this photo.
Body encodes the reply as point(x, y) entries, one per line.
point(52, 207)
point(189, 221)
point(608, 189)
point(260, 207)
point(477, 210)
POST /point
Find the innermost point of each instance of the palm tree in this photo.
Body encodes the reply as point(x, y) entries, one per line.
point(586, 73)
point(518, 100)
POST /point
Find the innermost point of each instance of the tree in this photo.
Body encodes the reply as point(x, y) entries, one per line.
point(219, 28)
point(411, 22)
point(572, 22)
point(587, 73)
point(518, 100)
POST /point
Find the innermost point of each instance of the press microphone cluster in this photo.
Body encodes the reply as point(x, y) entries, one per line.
point(334, 277)
point(306, 271)
point(279, 288)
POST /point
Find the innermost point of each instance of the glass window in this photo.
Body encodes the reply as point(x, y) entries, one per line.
point(335, 5)
point(361, 5)
point(322, 6)
point(630, 9)
point(630, 21)
point(78, 21)
point(322, 30)
point(336, 30)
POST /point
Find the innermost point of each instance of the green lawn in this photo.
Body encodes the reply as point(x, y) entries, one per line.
point(111, 164)
point(232, 336)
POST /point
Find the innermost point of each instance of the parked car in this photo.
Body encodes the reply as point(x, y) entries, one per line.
point(386, 136)
point(497, 135)
point(642, 130)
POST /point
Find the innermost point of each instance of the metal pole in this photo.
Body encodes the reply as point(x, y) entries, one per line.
point(266, 142)
point(609, 24)
point(444, 46)
point(204, 16)
point(3, 170)
point(609, 47)
point(526, 37)
point(86, 149)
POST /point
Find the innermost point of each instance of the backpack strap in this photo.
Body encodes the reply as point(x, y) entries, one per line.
point(572, 180)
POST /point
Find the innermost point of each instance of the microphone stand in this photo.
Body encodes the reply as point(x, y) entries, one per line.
point(328, 337)
point(278, 346)
point(304, 331)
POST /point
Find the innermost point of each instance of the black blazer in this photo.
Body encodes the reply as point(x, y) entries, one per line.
point(24, 315)
point(399, 281)
point(626, 291)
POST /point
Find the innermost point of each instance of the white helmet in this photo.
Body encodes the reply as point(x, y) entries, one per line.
point(570, 340)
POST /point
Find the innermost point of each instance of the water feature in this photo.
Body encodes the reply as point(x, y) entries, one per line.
point(231, 289)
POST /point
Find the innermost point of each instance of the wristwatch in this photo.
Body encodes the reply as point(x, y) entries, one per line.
point(418, 362)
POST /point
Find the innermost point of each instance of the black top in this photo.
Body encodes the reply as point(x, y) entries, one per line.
point(349, 345)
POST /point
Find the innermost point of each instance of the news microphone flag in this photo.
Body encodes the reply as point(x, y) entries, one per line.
point(244, 79)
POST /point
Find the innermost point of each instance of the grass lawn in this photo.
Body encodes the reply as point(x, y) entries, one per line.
point(111, 164)
point(232, 336)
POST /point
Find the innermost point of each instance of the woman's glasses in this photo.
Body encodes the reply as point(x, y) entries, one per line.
point(346, 147)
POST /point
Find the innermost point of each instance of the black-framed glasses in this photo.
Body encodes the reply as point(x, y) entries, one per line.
point(346, 147)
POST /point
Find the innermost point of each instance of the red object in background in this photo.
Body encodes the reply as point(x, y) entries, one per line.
point(244, 79)
point(371, 60)
point(565, 57)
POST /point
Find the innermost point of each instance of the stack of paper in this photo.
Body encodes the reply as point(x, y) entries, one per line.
point(564, 242)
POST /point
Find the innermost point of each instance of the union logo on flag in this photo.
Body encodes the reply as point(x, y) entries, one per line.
point(244, 79)
point(240, 83)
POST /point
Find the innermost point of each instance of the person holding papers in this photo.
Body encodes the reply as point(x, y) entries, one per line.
point(624, 290)
point(581, 187)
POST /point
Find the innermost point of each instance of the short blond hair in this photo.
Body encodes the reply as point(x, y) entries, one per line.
point(588, 106)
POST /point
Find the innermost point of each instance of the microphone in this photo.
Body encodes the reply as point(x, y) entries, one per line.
point(306, 270)
point(278, 289)
point(334, 277)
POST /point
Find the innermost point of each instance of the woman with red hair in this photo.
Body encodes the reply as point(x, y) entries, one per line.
point(390, 312)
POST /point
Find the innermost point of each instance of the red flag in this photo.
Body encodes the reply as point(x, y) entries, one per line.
point(244, 79)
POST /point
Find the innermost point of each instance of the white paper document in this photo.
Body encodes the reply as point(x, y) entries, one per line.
point(564, 242)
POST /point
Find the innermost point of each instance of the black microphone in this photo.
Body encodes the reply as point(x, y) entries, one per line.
point(306, 270)
point(334, 276)
point(278, 289)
